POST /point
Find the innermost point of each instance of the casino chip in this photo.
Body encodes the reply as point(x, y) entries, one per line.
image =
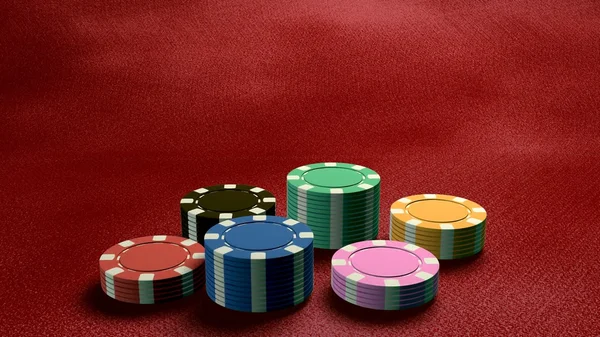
point(259, 263)
point(152, 269)
point(385, 275)
point(338, 201)
point(207, 206)
point(450, 227)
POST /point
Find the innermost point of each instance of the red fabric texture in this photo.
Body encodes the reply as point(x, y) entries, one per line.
point(112, 110)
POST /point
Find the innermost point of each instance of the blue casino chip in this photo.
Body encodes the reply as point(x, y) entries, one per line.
point(259, 263)
point(257, 237)
point(259, 307)
point(250, 295)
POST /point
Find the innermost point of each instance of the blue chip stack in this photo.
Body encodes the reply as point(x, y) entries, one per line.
point(259, 263)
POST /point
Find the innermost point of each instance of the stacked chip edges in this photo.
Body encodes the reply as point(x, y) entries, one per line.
point(339, 201)
point(259, 263)
point(450, 227)
point(207, 206)
point(365, 275)
point(152, 269)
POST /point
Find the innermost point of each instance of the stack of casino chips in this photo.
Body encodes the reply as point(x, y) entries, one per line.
point(339, 201)
point(385, 275)
point(207, 206)
point(450, 227)
point(259, 263)
point(152, 269)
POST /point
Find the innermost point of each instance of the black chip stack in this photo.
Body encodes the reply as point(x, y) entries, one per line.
point(205, 207)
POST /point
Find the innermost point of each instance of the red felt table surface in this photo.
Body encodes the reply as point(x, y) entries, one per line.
point(110, 111)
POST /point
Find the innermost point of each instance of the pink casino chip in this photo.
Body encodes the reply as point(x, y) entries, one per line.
point(385, 264)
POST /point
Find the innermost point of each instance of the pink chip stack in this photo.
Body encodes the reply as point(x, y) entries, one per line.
point(385, 275)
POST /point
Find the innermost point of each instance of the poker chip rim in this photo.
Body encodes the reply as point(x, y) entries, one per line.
point(145, 283)
point(196, 194)
point(270, 291)
point(384, 306)
point(139, 300)
point(253, 310)
point(386, 290)
point(444, 253)
point(367, 196)
point(365, 230)
point(390, 309)
point(344, 234)
point(389, 288)
point(437, 246)
point(398, 212)
point(213, 226)
point(274, 294)
point(110, 259)
point(147, 286)
point(388, 299)
point(147, 294)
point(343, 218)
point(390, 305)
point(303, 237)
point(341, 226)
point(323, 238)
point(244, 276)
point(344, 242)
point(344, 254)
point(432, 232)
point(451, 240)
point(439, 241)
point(281, 299)
point(366, 172)
point(340, 221)
point(328, 246)
point(284, 275)
point(439, 236)
point(376, 210)
point(459, 256)
point(156, 302)
point(431, 290)
point(473, 228)
point(260, 268)
point(272, 273)
point(337, 227)
point(275, 285)
point(373, 295)
point(465, 253)
point(233, 262)
point(208, 224)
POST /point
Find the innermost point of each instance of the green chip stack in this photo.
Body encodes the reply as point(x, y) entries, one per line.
point(339, 201)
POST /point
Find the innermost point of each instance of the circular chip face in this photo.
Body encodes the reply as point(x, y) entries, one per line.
point(151, 259)
point(227, 201)
point(332, 179)
point(259, 237)
point(383, 263)
point(437, 212)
